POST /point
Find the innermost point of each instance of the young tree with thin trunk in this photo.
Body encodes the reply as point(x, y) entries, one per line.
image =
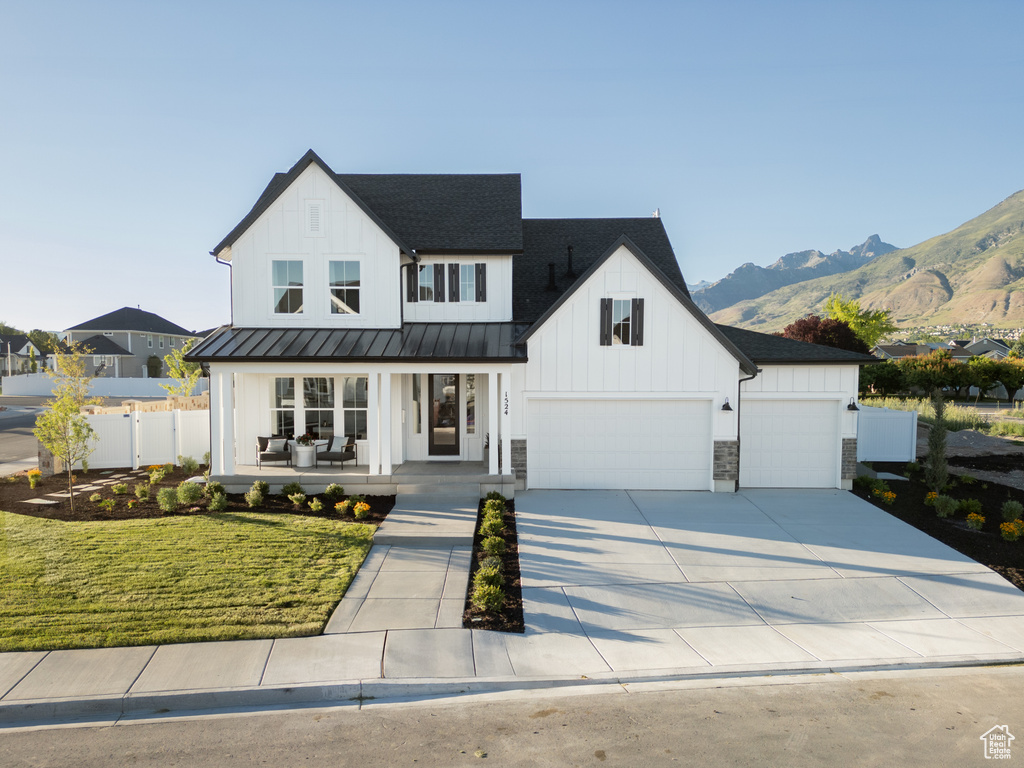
point(936, 473)
point(62, 428)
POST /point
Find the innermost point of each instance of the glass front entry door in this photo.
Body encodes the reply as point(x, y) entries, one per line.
point(444, 414)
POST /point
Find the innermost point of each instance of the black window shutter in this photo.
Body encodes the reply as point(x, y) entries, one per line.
point(453, 282)
point(481, 282)
point(439, 282)
point(412, 278)
point(606, 322)
point(637, 311)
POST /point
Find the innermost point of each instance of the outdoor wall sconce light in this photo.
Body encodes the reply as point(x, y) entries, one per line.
point(852, 406)
point(727, 407)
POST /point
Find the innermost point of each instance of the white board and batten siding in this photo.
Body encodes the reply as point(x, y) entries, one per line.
point(793, 419)
point(496, 308)
point(624, 416)
point(341, 231)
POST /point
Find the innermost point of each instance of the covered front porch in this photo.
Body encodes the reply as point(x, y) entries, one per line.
point(408, 477)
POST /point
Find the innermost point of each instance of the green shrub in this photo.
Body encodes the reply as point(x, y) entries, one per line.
point(262, 486)
point(343, 507)
point(935, 471)
point(945, 505)
point(218, 502)
point(361, 510)
point(120, 489)
point(488, 598)
point(187, 463)
point(490, 561)
point(492, 527)
point(156, 475)
point(107, 505)
point(85, 467)
point(968, 479)
point(290, 489)
point(493, 545)
point(189, 493)
point(254, 497)
point(95, 498)
point(316, 505)
point(357, 498)
point(957, 417)
point(211, 489)
point(206, 458)
point(167, 499)
point(970, 507)
point(334, 492)
point(142, 492)
point(297, 499)
point(1007, 428)
point(913, 466)
point(1012, 510)
point(495, 496)
point(494, 505)
point(488, 577)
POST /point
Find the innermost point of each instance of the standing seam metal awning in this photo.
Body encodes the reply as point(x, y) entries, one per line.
point(422, 342)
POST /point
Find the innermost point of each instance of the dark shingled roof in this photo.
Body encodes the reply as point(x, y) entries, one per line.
point(101, 345)
point(450, 213)
point(131, 319)
point(545, 241)
point(765, 349)
point(416, 342)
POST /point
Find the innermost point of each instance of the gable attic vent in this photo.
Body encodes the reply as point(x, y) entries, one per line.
point(314, 218)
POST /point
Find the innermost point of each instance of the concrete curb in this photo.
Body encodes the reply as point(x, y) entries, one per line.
point(357, 692)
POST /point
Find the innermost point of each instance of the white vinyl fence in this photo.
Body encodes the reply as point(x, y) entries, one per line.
point(41, 385)
point(886, 435)
point(140, 439)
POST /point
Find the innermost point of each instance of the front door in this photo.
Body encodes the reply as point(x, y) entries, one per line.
point(444, 414)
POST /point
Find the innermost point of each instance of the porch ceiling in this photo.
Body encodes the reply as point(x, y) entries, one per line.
point(415, 342)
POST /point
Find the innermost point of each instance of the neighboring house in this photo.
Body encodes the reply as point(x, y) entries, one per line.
point(119, 343)
point(16, 353)
point(902, 349)
point(996, 349)
point(424, 316)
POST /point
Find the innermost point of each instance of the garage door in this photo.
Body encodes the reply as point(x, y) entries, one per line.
point(642, 444)
point(789, 443)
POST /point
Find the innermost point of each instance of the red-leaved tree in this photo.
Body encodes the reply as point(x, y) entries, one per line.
point(828, 332)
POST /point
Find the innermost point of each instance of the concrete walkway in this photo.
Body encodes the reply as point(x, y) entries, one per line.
point(617, 587)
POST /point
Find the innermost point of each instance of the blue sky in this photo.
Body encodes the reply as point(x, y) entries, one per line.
point(135, 135)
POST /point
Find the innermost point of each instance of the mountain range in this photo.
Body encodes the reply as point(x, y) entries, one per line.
point(973, 274)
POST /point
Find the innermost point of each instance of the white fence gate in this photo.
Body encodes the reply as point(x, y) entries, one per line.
point(140, 439)
point(886, 435)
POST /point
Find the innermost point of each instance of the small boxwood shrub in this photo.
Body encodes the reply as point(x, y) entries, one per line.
point(167, 499)
point(490, 561)
point(142, 492)
point(1012, 510)
point(190, 465)
point(254, 498)
point(488, 598)
point(945, 505)
point(212, 489)
point(492, 527)
point(970, 507)
point(334, 492)
point(495, 496)
point(120, 489)
point(494, 506)
point(290, 489)
point(189, 493)
point(489, 576)
point(218, 502)
point(262, 486)
point(493, 545)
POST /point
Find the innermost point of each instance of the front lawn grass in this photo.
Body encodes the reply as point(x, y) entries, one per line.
point(228, 576)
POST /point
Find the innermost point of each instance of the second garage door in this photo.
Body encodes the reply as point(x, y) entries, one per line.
point(640, 444)
point(789, 443)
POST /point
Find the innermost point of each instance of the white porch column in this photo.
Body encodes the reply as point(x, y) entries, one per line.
point(222, 423)
point(373, 423)
point(493, 389)
point(504, 406)
point(386, 408)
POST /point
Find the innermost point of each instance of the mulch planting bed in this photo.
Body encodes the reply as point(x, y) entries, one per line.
point(510, 618)
point(985, 546)
point(15, 491)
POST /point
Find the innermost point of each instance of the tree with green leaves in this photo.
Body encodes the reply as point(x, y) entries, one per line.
point(986, 374)
point(1010, 373)
point(8, 330)
point(884, 378)
point(184, 373)
point(936, 473)
point(46, 342)
point(870, 325)
point(61, 428)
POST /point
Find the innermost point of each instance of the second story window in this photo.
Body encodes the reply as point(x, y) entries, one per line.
point(468, 282)
point(431, 282)
point(622, 322)
point(287, 277)
point(344, 279)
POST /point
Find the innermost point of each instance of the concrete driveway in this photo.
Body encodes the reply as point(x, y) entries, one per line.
point(648, 580)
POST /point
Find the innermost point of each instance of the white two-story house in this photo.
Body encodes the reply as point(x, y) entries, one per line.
point(423, 316)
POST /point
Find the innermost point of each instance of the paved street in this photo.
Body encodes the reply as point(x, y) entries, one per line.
point(933, 718)
point(16, 438)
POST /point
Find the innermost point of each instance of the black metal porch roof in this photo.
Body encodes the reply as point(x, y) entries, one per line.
point(415, 342)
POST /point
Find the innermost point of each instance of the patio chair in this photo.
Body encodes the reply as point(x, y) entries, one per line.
point(341, 448)
point(272, 449)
